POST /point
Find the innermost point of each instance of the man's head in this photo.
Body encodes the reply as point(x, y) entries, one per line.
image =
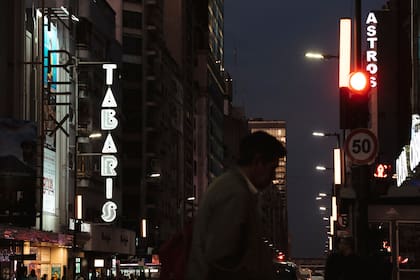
point(259, 154)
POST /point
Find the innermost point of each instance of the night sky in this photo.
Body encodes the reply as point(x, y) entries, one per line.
point(265, 43)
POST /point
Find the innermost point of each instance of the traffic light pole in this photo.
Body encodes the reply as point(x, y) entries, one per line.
point(360, 174)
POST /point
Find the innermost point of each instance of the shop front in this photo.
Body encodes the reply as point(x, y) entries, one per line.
point(395, 228)
point(104, 250)
point(24, 249)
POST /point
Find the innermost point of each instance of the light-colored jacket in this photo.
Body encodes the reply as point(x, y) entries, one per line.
point(227, 238)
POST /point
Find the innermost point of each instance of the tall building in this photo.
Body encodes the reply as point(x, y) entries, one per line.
point(209, 75)
point(179, 19)
point(35, 167)
point(157, 125)
point(122, 128)
point(63, 59)
point(98, 138)
point(274, 200)
point(391, 188)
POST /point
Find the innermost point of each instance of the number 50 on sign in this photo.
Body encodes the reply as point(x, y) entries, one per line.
point(361, 146)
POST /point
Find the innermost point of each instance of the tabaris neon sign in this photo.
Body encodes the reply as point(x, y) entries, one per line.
point(371, 53)
point(109, 161)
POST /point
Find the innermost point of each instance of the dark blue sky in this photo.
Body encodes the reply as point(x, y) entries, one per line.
point(273, 80)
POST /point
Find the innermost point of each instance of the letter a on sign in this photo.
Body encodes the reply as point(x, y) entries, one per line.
point(371, 18)
point(109, 145)
point(109, 100)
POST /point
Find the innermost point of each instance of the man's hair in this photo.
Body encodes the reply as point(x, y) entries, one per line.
point(260, 143)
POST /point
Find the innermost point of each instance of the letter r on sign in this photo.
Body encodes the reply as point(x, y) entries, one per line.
point(108, 165)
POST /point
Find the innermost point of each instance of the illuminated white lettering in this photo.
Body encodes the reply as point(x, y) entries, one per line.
point(371, 54)
point(109, 72)
point(109, 100)
point(371, 18)
point(371, 30)
point(414, 151)
point(372, 42)
point(414, 142)
point(108, 119)
point(109, 211)
point(108, 165)
point(108, 188)
point(109, 145)
point(109, 162)
point(402, 168)
point(372, 68)
point(373, 82)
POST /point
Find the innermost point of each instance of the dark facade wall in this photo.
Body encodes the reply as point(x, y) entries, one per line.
point(11, 53)
point(394, 79)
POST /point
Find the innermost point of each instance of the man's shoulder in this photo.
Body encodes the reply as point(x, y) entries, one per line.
point(232, 177)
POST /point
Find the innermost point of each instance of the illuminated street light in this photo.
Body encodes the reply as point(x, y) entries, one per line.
point(321, 168)
point(323, 208)
point(95, 135)
point(321, 196)
point(327, 134)
point(320, 56)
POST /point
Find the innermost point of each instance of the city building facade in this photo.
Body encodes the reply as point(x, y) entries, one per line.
point(209, 75)
point(157, 90)
point(35, 125)
point(120, 107)
point(64, 60)
point(392, 193)
point(274, 200)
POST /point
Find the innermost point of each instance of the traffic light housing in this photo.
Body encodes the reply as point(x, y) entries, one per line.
point(354, 110)
point(381, 179)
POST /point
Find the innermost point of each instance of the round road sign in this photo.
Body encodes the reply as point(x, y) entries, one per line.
point(361, 146)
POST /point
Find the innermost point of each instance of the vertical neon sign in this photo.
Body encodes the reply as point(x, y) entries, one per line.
point(109, 161)
point(371, 53)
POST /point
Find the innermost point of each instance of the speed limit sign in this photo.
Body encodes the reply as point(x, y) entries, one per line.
point(361, 146)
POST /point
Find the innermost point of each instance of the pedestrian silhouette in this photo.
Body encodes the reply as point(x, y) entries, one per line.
point(345, 264)
point(228, 233)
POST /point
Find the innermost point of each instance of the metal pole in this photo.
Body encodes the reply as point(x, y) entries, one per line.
point(360, 174)
point(357, 34)
point(42, 124)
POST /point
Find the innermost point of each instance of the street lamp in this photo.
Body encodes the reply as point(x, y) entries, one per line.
point(321, 196)
point(328, 134)
point(320, 56)
point(322, 168)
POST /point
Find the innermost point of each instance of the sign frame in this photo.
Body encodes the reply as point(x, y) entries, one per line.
point(361, 134)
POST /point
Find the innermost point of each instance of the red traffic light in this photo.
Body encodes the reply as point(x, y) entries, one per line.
point(359, 82)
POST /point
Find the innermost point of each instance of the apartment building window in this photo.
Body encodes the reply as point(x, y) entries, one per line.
point(132, 19)
point(132, 45)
